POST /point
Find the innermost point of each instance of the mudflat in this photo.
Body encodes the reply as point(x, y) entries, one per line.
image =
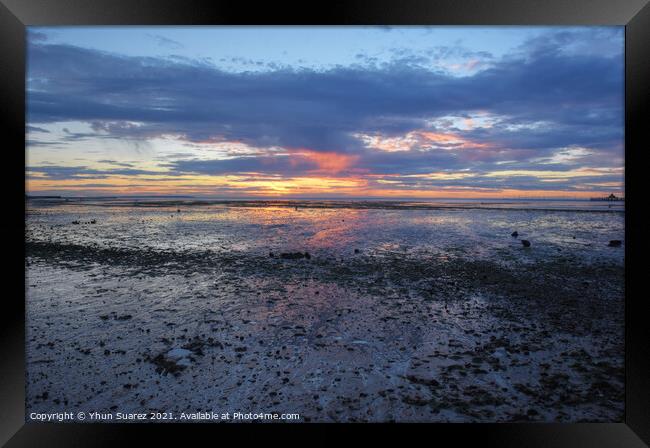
point(396, 315)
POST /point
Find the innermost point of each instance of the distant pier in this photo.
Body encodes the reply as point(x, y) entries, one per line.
point(611, 197)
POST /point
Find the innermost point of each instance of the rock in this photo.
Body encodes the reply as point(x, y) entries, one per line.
point(178, 210)
point(177, 353)
point(94, 221)
point(356, 251)
point(526, 243)
point(307, 256)
point(515, 234)
point(415, 400)
point(615, 243)
point(75, 222)
point(292, 255)
point(424, 381)
point(271, 255)
point(183, 362)
point(174, 361)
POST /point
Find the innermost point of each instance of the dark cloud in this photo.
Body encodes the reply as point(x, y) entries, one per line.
point(116, 163)
point(282, 164)
point(41, 143)
point(36, 36)
point(56, 172)
point(166, 42)
point(36, 129)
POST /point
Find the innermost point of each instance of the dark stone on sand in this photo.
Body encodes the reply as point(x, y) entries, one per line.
point(415, 400)
point(178, 210)
point(526, 243)
point(356, 251)
point(424, 381)
point(271, 254)
point(165, 366)
point(307, 256)
point(75, 222)
point(515, 234)
point(93, 221)
point(615, 243)
point(292, 255)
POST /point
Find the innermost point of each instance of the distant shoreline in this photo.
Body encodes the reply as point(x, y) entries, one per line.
point(312, 199)
point(439, 204)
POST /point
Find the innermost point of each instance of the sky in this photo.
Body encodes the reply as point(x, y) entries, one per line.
point(325, 112)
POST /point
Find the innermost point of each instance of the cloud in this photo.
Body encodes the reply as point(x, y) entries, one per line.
point(82, 172)
point(29, 129)
point(116, 163)
point(539, 105)
point(166, 42)
point(36, 36)
point(296, 162)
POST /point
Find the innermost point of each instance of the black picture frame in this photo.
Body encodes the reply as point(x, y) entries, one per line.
point(15, 15)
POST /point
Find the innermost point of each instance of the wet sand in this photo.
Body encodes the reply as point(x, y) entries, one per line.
point(384, 333)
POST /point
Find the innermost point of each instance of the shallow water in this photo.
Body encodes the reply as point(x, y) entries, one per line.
point(472, 232)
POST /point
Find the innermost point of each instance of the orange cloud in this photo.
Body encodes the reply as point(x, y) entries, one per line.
point(327, 162)
point(423, 140)
point(451, 138)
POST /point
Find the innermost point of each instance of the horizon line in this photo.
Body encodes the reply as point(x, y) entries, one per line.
point(309, 198)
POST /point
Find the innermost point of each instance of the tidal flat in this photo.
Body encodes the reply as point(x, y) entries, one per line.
point(399, 313)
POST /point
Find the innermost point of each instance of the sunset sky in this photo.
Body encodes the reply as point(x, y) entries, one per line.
point(384, 112)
